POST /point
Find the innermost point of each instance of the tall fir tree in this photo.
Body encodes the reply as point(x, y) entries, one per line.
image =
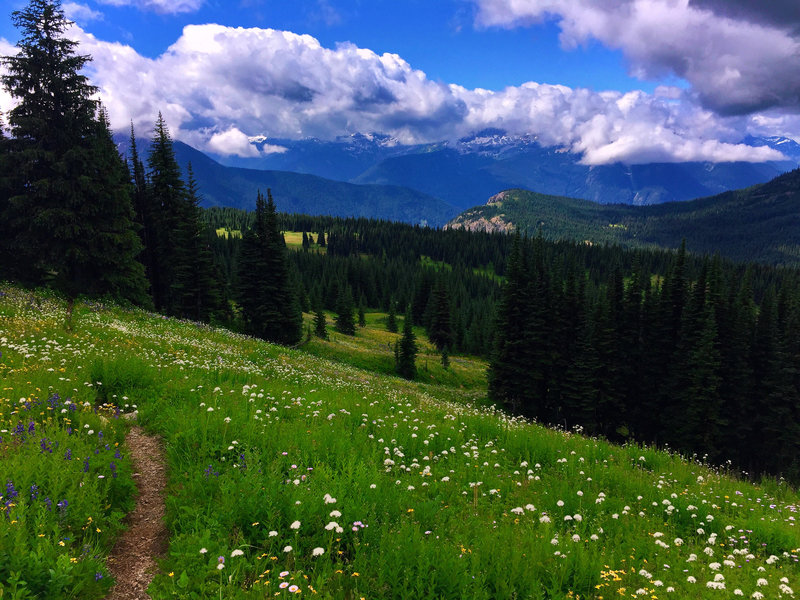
point(145, 214)
point(440, 330)
point(195, 288)
point(167, 198)
point(320, 325)
point(406, 350)
point(269, 309)
point(344, 311)
point(68, 210)
point(391, 319)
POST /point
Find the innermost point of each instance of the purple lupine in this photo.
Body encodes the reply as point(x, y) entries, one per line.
point(32, 427)
point(34, 492)
point(86, 465)
point(63, 506)
point(11, 491)
point(68, 454)
point(48, 503)
point(113, 468)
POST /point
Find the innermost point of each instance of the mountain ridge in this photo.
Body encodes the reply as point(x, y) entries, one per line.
point(759, 223)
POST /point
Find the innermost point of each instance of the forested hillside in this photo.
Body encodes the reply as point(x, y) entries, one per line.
point(761, 223)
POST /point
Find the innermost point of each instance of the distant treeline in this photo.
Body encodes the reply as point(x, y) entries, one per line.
point(703, 356)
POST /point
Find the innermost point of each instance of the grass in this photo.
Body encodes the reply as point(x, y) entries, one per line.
point(293, 473)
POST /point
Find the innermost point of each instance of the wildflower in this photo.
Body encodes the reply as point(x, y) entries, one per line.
point(335, 513)
point(293, 588)
point(576, 538)
point(691, 579)
point(295, 525)
point(318, 552)
point(518, 510)
point(283, 585)
point(287, 549)
point(236, 552)
point(203, 550)
point(273, 533)
point(220, 563)
point(283, 574)
point(757, 595)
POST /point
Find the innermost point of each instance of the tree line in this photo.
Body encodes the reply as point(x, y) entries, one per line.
point(703, 358)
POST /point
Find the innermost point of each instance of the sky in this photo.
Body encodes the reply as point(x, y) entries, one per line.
point(632, 81)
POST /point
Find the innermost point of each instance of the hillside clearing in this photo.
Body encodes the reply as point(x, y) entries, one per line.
point(286, 468)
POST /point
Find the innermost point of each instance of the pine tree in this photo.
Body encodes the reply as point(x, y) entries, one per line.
point(391, 319)
point(440, 331)
point(68, 210)
point(167, 193)
point(406, 350)
point(269, 309)
point(195, 290)
point(145, 215)
point(320, 329)
point(321, 239)
point(344, 312)
point(305, 242)
point(362, 317)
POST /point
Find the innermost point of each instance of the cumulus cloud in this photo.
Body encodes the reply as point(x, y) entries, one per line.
point(220, 89)
point(81, 13)
point(232, 142)
point(739, 56)
point(159, 6)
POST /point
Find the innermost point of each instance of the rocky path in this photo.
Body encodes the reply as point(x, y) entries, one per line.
point(132, 562)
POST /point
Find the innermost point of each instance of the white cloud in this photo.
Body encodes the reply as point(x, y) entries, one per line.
point(739, 59)
point(232, 143)
point(81, 13)
point(218, 85)
point(159, 6)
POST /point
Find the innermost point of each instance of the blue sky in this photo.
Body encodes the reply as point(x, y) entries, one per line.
point(629, 80)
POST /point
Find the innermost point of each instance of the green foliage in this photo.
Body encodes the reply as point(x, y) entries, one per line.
point(269, 308)
point(66, 209)
point(754, 224)
point(344, 312)
point(406, 351)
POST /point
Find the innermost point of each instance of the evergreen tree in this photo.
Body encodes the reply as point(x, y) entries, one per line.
point(445, 358)
point(406, 350)
point(305, 242)
point(321, 239)
point(195, 289)
point(68, 214)
point(440, 331)
point(344, 312)
point(167, 193)
point(145, 214)
point(269, 309)
point(320, 329)
point(362, 318)
point(391, 319)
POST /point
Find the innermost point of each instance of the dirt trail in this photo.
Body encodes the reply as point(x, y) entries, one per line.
point(132, 562)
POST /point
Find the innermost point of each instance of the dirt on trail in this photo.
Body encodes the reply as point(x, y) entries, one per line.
point(132, 561)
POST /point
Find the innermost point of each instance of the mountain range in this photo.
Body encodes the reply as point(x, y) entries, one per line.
point(760, 223)
point(236, 187)
point(467, 172)
point(373, 175)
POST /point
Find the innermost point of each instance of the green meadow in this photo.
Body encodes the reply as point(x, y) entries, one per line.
point(317, 472)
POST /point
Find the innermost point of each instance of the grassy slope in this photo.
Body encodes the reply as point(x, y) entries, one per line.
point(434, 498)
point(758, 223)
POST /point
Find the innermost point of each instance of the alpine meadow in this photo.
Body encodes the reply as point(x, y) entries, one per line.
point(223, 381)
